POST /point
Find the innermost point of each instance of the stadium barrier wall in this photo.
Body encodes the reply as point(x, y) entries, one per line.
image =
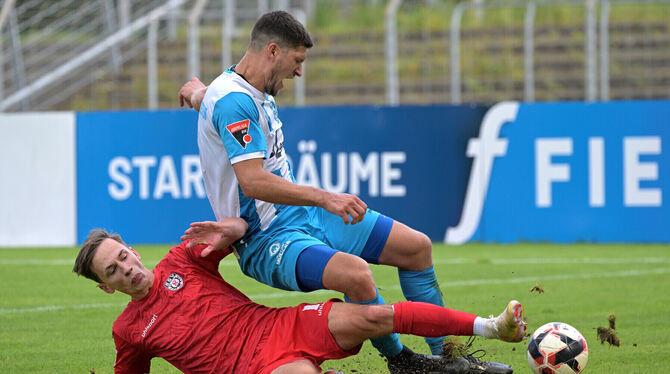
point(37, 179)
point(566, 172)
point(138, 172)
point(559, 172)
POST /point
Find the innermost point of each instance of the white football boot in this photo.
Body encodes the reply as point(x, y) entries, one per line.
point(509, 325)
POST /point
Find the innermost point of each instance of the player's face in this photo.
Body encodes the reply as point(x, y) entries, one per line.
point(120, 269)
point(287, 66)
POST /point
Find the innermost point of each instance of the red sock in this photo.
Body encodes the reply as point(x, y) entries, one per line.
point(430, 320)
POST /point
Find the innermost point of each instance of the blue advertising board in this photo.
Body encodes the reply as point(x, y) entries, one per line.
point(138, 172)
point(560, 172)
point(567, 172)
point(407, 162)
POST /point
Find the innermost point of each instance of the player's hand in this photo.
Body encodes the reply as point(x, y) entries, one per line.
point(345, 205)
point(209, 233)
point(192, 93)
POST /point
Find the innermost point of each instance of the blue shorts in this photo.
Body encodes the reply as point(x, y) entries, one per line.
point(270, 256)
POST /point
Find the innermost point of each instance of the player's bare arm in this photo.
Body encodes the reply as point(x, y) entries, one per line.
point(257, 183)
point(218, 236)
point(192, 93)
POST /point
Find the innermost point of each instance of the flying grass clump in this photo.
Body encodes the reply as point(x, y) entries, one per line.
point(452, 347)
point(608, 334)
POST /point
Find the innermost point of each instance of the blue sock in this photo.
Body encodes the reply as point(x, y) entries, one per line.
point(422, 286)
point(388, 345)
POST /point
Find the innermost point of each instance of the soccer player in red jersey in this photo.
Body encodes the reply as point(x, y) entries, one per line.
point(184, 312)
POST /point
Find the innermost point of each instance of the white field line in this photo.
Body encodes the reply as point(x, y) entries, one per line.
point(553, 261)
point(448, 261)
point(55, 261)
point(51, 308)
point(70, 262)
point(478, 282)
point(286, 294)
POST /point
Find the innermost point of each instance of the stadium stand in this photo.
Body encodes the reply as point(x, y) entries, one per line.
point(347, 65)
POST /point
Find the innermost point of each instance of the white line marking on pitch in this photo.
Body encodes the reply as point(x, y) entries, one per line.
point(51, 308)
point(550, 261)
point(624, 273)
point(276, 295)
point(449, 261)
point(70, 261)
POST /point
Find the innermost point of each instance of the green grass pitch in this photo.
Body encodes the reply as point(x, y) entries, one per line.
point(53, 322)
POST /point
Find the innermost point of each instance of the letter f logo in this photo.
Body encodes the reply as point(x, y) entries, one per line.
point(483, 149)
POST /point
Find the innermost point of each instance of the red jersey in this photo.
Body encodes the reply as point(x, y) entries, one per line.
point(192, 318)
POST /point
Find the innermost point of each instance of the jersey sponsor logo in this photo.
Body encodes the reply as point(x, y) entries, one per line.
point(310, 307)
point(151, 323)
point(281, 252)
point(278, 146)
point(174, 282)
point(240, 131)
point(316, 307)
point(278, 248)
point(274, 248)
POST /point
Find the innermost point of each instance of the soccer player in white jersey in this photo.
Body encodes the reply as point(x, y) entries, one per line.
point(299, 238)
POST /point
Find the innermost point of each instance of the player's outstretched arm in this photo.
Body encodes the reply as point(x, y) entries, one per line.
point(257, 183)
point(217, 235)
point(192, 93)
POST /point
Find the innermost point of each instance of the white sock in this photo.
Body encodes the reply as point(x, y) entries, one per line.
point(479, 326)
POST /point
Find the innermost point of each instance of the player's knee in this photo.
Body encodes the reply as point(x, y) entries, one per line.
point(424, 243)
point(374, 318)
point(378, 314)
point(423, 250)
point(360, 280)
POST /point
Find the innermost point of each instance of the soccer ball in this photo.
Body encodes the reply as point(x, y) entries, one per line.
point(557, 348)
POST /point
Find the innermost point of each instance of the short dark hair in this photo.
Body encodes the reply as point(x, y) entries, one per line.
point(82, 265)
point(279, 27)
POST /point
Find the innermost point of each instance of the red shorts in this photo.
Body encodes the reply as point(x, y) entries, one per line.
point(299, 333)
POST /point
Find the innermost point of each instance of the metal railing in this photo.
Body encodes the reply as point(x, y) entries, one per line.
point(593, 72)
point(391, 49)
point(41, 64)
point(89, 55)
point(530, 7)
point(115, 34)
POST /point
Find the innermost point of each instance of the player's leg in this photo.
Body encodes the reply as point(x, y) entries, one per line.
point(321, 267)
point(406, 248)
point(411, 252)
point(350, 325)
point(297, 334)
point(430, 320)
point(381, 240)
point(297, 367)
point(295, 260)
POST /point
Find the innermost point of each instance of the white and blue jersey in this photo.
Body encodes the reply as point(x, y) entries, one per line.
point(237, 122)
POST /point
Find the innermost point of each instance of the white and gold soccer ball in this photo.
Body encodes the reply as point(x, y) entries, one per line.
point(557, 348)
